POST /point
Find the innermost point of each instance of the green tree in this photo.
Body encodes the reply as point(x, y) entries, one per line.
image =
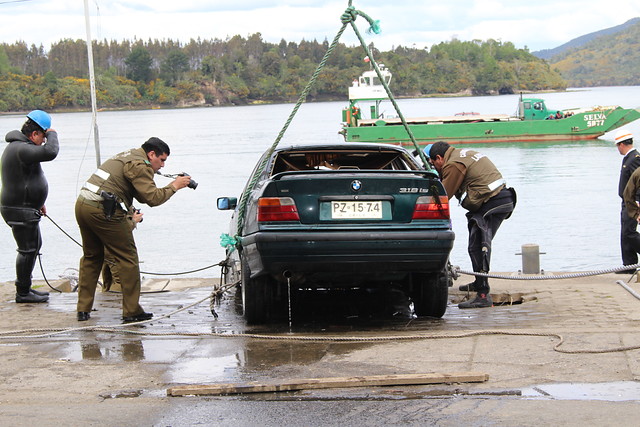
point(213, 67)
point(4, 61)
point(139, 65)
point(174, 66)
point(271, 64)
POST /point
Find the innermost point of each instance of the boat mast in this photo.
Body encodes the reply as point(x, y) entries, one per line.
point(92, 83)
point(520, 108)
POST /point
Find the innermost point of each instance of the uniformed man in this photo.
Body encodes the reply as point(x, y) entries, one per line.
point(475, 181)
point(631, 200)
point(101, 212)
point(24, 191)
point(628, 225)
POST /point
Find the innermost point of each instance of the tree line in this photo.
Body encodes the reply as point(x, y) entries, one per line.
point(238, 70)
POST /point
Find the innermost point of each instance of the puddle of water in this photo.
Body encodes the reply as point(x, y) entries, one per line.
point(203, 370)
point(613, 391)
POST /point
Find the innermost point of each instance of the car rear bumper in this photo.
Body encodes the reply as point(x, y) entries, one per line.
point(364, 253)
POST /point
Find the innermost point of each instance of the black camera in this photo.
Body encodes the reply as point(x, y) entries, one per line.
point(192, 183)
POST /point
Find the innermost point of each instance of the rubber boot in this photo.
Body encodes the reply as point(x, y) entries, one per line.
point(40, 293)
point(470, 287)
point(480, 301)
point(25, 295)
point(31, 298)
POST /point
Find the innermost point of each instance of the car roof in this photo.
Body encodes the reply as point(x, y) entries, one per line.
point(342, 146)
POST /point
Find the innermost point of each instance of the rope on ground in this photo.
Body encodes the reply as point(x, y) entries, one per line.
point(631, 291)
point(457, 270)
point(22, 335)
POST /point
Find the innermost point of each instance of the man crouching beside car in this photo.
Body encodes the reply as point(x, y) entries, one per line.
point(482, 190)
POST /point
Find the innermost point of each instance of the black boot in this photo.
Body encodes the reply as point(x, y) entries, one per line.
point(31, 298)
point(40, 293)
point(138, 317)
point(471, 287)
point(480, 301)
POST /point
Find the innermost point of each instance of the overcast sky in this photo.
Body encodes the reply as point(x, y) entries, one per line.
point(536, 24)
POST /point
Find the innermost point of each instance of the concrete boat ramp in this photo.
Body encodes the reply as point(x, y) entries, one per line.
point(106, 376)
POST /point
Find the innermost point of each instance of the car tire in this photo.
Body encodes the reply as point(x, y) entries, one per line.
point(430, 293)
point(257, 302)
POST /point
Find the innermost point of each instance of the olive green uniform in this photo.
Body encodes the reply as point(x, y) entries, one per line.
point(478, 184)
point(127, 175)
point(471, 177)
point(631, 196)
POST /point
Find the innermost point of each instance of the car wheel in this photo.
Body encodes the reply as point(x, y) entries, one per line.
point(256, 296)
point(430, 293)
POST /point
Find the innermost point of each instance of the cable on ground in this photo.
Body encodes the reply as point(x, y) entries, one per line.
point(28, 334)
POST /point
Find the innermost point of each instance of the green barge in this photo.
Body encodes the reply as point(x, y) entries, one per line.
point(533, 121)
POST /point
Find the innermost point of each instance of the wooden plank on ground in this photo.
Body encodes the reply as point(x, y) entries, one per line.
point(334, 382)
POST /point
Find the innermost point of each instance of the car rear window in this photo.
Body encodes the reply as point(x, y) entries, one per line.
point(288, 161)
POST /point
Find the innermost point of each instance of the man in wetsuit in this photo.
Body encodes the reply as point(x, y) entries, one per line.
point(24, 191)
point(101, 211)
point(479, 186)
point(628, 225)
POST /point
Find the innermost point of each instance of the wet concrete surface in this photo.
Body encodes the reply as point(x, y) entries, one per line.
point(115, 378)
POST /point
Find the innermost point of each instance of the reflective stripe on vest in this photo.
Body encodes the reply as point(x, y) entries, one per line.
point(102, 175)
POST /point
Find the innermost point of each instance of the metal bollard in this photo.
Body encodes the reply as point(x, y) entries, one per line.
point(530, 258)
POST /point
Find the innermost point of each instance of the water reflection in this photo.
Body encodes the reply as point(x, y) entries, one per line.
point(126, 351)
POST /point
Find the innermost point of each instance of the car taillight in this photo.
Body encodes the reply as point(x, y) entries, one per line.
point(277, 209)
point(427, 207)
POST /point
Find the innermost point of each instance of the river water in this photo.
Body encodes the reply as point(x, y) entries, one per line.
point(567, 192)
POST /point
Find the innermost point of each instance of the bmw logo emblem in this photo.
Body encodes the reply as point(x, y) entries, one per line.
point(356, 185)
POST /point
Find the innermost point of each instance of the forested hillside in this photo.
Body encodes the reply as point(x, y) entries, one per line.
point(609, 60)
point(579, 42)
point(140, 74)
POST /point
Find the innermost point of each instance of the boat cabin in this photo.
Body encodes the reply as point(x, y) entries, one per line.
point(535, 109)
point(369, 87)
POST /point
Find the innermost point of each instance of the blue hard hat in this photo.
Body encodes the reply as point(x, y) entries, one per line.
point(41, 118)
point(427, 149)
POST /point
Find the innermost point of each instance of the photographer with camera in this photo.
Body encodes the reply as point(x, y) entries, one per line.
point(101, 211)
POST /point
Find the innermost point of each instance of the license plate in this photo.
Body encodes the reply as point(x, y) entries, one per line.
point(356, 210)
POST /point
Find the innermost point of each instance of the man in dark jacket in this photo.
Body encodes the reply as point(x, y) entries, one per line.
point(628, 226)
point(24, 192)
point(474, 180)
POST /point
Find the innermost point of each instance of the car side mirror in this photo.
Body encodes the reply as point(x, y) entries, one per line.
point(226, 203)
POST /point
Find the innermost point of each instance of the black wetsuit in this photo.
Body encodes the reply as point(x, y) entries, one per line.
point(24, 191)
